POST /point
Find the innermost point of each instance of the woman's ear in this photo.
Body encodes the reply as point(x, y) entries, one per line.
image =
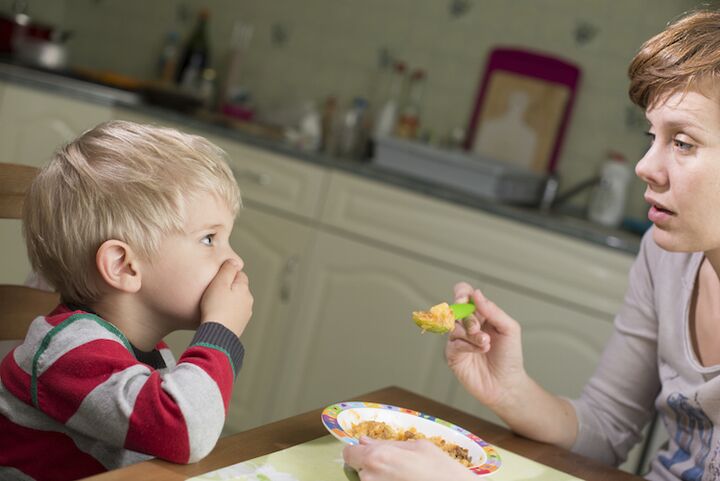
point(118, 266)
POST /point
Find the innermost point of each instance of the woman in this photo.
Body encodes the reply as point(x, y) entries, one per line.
point(664, 353)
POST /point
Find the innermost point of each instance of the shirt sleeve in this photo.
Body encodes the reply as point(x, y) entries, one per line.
point(85, 376)
point(617, 401)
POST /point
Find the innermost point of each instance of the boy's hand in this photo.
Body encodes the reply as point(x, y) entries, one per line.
point(227, 300)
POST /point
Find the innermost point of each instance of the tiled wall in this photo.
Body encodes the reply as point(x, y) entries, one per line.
point(307, 49)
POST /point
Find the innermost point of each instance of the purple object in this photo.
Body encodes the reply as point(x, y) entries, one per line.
point(535, 65)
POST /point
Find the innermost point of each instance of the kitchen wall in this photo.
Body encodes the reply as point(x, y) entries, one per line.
point(311, 48)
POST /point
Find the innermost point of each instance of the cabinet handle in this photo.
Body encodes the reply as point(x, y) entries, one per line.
point(260, 178)
point(286, 278)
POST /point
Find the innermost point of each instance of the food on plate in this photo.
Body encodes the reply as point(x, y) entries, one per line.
point(381, 430)
point(439, 319)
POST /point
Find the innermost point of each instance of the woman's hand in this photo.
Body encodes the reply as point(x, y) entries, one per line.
point(418, 460)
point(485, 351)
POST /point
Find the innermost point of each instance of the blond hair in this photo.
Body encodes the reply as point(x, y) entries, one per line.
point(119, 180)
point(683, 57)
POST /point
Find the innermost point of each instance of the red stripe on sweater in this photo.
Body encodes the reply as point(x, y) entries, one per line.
point(15, 379)
point(216, 364)
point(64, 384)
point(157, 426)
point(44, 454)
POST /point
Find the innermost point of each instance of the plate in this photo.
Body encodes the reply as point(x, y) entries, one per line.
point(339, 418)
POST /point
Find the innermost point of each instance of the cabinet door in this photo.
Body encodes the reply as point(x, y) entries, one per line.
point(354, 331)
point(275, 251)
point(32, 125)
point(561, 346)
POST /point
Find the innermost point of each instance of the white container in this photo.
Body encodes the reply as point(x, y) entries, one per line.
point(471, 173)
point(607, 204)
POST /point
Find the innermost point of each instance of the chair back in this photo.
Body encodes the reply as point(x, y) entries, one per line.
point(19, 305)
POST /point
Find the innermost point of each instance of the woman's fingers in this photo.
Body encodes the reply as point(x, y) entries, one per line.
point(462, 291)
point(493, 315)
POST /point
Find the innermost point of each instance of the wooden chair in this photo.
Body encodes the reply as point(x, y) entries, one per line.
point(19, 305)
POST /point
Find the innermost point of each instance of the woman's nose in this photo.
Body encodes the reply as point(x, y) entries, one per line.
point(651, 168)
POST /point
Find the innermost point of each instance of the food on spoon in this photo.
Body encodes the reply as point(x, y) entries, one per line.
point(381, 430)
point(439, 319)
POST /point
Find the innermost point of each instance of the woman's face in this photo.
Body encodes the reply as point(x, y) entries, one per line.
point(682, 172)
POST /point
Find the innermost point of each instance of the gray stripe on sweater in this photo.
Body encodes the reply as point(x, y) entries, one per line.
point(111, 457)
point(12, 474)
point(202, 406)
point(108, 407)
point(24, 353)
point(80, 332)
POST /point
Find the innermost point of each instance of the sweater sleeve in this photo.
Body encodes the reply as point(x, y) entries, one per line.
point(617, 401)
point(84, 374)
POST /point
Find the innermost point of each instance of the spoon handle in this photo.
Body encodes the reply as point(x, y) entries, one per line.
point(461, 311)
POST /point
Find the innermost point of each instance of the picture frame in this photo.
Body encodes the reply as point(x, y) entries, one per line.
point(522, 108)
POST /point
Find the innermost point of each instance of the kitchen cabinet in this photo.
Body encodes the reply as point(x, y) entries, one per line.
point(33, 124)
point(388, 252)
point(353, 331)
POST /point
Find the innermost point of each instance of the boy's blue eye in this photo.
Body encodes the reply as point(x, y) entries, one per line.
point(208, 239)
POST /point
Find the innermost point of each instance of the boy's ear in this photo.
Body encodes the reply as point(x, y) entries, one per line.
point(118, 266)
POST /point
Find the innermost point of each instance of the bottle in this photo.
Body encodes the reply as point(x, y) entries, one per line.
point(352, 133)
point(327, 122)
point(207, 88)
point(387, 118)
point(607, 204)
point(409, 121)
point(167, 63)
point(310, 128)
point(195, 57)
point(232, 89)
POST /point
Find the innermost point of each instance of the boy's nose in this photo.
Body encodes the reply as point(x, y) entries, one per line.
point(233, 255)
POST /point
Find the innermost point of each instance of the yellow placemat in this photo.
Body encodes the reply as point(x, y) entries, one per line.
point(321, 460)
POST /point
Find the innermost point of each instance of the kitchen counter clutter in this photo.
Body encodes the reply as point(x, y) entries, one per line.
point(340, 253)
point(51, 83)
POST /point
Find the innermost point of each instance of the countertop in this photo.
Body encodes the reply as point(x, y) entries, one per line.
point(72, 86)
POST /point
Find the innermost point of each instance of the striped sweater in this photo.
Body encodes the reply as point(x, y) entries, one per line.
point(76, 398)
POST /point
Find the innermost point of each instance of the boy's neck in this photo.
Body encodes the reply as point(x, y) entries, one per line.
point(141, 329)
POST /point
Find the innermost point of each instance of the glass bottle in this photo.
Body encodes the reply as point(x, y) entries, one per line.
point(409, 121)
point(387, 117)
point(195, 57)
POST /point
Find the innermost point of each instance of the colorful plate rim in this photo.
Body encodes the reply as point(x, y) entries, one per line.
point(330, 415)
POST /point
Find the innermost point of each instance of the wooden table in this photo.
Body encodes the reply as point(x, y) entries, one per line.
point(305, 427)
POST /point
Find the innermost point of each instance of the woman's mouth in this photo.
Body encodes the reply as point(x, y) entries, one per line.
point(659, 214)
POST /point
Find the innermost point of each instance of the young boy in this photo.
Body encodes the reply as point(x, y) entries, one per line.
point(131, 224)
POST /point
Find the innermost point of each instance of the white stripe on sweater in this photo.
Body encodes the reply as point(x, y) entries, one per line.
point(202, 408)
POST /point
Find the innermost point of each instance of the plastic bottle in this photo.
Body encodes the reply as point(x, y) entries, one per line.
point(195, 57)
point(409, 121)
point(387, 118)
point(310, 128)
point(167, 63)
point(607, 204)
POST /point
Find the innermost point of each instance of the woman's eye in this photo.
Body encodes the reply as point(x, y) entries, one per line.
point(683, 146)
point(650, 136)
point(208, 239)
